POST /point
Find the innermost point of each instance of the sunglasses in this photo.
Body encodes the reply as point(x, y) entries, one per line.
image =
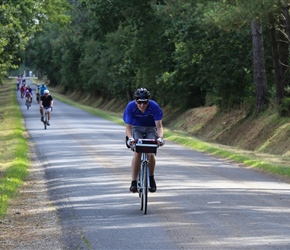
point(142, 102)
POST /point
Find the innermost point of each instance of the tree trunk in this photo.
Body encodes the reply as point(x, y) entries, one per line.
point(275, 57)
point(259, 67)
point(129, 94)
point(287, 19)
point(284, 46)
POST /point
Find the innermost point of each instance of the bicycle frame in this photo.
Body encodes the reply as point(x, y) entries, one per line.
point(144, 146)
point(27, 102)
point(145, 167)
point(144, 182)
point(45, 117)
point(37, 97)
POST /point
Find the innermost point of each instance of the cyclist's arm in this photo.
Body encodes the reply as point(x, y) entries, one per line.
point(51, 103)
point(159, 128)
point(129, 130)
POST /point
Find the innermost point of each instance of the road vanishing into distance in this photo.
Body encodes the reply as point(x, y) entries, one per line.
point(201, 202)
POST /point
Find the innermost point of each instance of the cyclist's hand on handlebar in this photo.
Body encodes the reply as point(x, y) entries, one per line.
point(160, 141)
point(130, 141)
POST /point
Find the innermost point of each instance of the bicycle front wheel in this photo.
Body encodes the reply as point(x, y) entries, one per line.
point(140, 188)
point(145, 187)
point(45, 120)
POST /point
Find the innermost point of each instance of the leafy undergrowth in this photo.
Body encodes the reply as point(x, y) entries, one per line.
point(259, 141)
point(264, 133)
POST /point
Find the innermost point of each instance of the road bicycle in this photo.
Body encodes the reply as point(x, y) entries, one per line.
point(22, 92)
point(45, 116)
point(146, 147)
point(38, 97)
point(28, 102)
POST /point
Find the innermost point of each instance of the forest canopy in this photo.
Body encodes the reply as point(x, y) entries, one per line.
point(188, 53)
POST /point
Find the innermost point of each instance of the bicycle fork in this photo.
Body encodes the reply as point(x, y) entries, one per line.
point(144, 167)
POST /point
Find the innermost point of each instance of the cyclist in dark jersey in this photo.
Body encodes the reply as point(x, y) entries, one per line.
point(143, 118)
point(46, 101)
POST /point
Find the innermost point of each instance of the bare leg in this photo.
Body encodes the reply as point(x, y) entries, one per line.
point(151, 164)
point(136, 161)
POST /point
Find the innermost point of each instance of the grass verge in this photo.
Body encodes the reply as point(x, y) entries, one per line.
point(272, 164)
point(14, 151)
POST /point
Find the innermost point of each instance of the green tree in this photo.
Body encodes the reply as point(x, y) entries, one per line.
point(231, 15)
point(206, 62)
point(186, 52)
point(20, 19)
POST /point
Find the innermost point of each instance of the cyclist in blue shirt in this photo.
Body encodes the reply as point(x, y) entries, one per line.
point(42, 88)
point(143, 118)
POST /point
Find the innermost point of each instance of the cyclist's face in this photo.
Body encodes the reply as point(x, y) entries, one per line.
point(142, 105)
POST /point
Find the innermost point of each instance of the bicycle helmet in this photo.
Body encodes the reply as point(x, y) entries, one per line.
point(46, 91)
point(142, 94)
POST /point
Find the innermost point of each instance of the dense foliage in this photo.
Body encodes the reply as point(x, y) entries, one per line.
point(188, 53)
point(20, 19)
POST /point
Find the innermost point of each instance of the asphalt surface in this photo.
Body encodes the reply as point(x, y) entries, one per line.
point(201, 202)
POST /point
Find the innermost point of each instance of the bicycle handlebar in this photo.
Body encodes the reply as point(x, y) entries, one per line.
point(145, 145)
point(145, 141)
point(132, 143)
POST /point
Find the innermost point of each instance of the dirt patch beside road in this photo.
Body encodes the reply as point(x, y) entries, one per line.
point(31, 221)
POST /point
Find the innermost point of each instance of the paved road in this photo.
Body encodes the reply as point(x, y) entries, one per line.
point(201, 202)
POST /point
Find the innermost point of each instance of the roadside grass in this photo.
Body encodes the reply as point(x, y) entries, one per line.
point(14, 157)
point(272, 164)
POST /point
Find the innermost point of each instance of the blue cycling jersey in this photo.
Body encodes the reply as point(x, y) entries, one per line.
point(132, 115)
point(42, 88)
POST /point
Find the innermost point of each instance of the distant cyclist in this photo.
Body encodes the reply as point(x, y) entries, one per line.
point(46, 102)
point(22, 91)
point(28, 96)
point(37, 92)
point(42, 88)
point(18, 83)
point(30, 91)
